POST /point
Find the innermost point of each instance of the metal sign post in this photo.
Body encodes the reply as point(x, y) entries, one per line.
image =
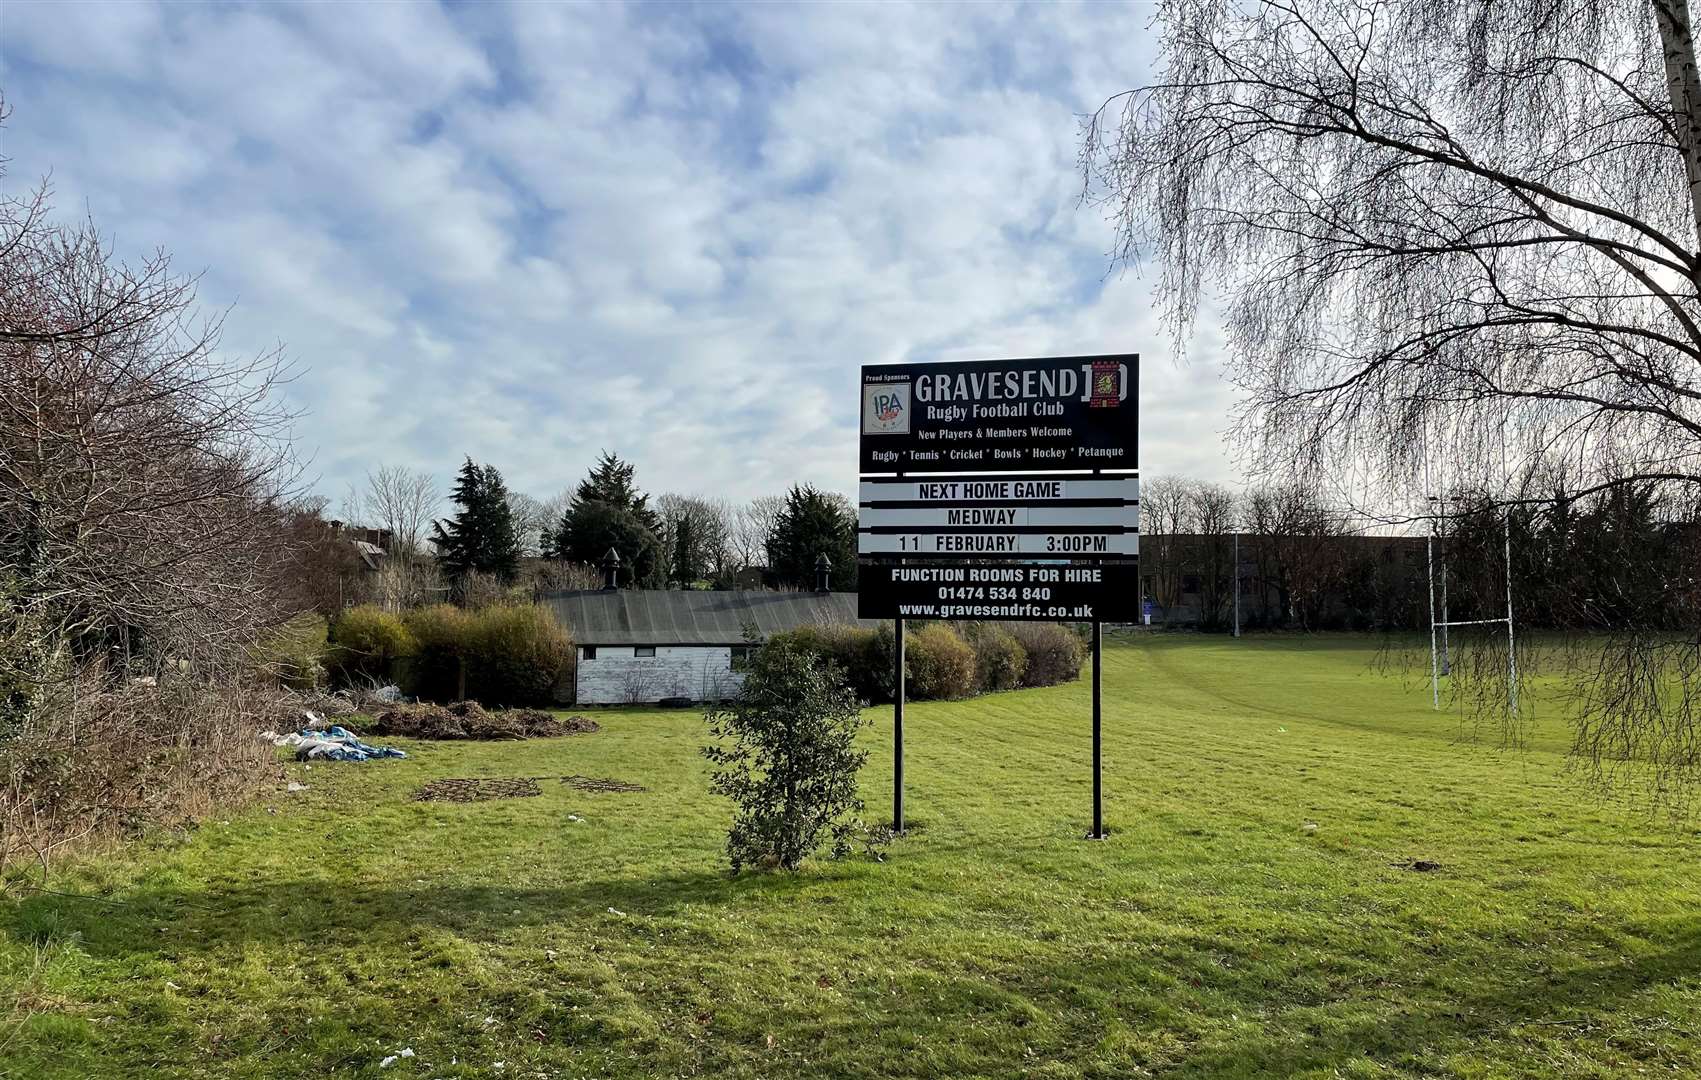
point(898, 731)
point(1098, 832)
point(1000, 489)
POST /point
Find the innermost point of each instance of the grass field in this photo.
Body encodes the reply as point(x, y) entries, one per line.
point(1215, 934)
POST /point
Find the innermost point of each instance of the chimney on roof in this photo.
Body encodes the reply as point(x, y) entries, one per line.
point(823, 573)
point(611, 571)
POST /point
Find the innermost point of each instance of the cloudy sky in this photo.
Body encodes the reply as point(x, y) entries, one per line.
point(526, 233)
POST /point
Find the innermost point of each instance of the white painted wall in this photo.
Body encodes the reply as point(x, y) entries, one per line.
point(617, 677)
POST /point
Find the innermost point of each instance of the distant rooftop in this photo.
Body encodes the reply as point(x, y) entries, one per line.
point(694, 616)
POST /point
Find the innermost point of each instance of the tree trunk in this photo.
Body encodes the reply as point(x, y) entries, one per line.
point(1683, 85)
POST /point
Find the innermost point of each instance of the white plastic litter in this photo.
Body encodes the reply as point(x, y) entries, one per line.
point(387, 1062)
point(293, 786)
point(388, 693)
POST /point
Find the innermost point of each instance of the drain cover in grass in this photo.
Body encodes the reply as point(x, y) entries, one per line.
point(599, 783)
point(478, 790)
point(1421, 866)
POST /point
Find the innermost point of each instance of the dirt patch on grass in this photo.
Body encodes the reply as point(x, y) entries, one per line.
point(470, 720)
point(478, 790)
point(600, 783)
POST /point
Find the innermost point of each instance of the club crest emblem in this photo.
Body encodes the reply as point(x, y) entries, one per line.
point(1107, 385)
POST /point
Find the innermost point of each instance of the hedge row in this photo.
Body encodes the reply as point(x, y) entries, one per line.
point(945, 661)
point(502, 655)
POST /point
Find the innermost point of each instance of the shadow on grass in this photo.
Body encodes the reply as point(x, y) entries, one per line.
point(170, 921)
point(1507, 990)
point(1409, 1011)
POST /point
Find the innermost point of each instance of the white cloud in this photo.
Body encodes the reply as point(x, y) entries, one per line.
point(529, 233)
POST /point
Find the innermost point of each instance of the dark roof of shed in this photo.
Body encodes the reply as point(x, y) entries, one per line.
point(693, 616)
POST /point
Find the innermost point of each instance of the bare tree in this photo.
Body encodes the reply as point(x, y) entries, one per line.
point(146, 511)
point(317, 568)
point(143, 473)
point(402, 584)
point(753, 526)
point(1300, 553)
point(399, 500)
point(553, 576)
point(1468, 218)
point(531, 522)
point(1468, 225)
point(554, 509)
point(710, 535)
point(1165, 516)
point(1213, 512)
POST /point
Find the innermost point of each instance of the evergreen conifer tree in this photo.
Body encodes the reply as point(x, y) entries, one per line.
point(811, 524)
point(481, 536)
point(608, 511)
point(453, 538)
point(686, 560)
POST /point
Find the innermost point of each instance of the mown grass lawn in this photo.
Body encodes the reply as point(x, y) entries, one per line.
point(1213, 935)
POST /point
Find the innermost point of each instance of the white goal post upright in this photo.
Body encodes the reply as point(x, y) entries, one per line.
point(1429, 558)
point(1440, 660)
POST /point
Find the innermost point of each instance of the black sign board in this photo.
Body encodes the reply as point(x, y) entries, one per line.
point(1107, 592)
point(1054, 414)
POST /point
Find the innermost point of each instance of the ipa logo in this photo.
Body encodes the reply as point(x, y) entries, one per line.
point(886, 409)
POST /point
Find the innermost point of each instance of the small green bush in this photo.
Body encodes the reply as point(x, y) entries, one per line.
point(784, 751)
point(294, 652)
point(369, 643)
point(1055, 653)
point(938, 663)
point(1000, 660)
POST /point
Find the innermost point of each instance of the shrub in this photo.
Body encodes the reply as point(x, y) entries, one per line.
point(1055, 653)
point(1000, 660)
point(97, 763)
point(368, 643)
point(783, 753)
point(866, 657)
point(442, 635)
point(875, 673)
point(294, 652)
point(503, 655)
point(518, 655)
point(938, 663)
